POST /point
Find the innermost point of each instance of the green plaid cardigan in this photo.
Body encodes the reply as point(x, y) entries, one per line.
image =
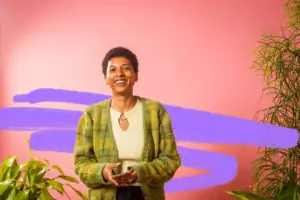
point(95, 146)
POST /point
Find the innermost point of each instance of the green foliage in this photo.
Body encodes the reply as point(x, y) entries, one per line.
point(244, 195)
point(29, 181)
point(288, 193)
point(292, 10)
point(278, 61)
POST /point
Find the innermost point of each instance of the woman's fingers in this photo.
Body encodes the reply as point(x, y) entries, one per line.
point(107, 173)
point(120, 180)
point(113, 181)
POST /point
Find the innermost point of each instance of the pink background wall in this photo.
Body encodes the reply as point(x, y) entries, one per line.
point(198, 51)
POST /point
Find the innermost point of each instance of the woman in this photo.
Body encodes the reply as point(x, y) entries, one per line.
point(125, 147)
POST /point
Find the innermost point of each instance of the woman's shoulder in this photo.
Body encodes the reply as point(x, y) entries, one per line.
point(151, 103)
point(98, 106)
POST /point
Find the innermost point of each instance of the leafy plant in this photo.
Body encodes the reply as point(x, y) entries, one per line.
point(28, 181)
point(278, 61)
point(288, 193)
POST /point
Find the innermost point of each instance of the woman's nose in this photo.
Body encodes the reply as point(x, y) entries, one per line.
point(120, 71)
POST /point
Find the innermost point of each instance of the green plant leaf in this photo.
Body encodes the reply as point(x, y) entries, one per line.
point(68, 178)
point(16, 173)
point(57, 186)
point(58, 168)
point(45, 195)
point(4, 185)
point(36, 171)
point(6, 167)
point(84, 197)
point(22, 195)
point(12, 168)
point(290, 192)
point(46, 161)
point(244, 195)
point(12, 195)
point(40, 175)
point(42, 185)
point(23, 179)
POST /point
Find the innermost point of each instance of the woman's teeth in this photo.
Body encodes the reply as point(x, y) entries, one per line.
point(120, 82)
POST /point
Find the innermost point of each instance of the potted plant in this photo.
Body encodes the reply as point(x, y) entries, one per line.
point(278, 60)
point(29, 181)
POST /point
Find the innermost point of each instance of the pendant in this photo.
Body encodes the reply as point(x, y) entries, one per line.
point(123, 117)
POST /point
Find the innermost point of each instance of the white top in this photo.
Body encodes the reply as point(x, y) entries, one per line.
point(129, 142)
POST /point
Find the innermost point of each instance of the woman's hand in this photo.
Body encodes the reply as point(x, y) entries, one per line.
point(125, 179)
point(108, 174)
point(120, 180)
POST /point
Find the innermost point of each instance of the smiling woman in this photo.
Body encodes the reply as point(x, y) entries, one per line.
point(125, 147)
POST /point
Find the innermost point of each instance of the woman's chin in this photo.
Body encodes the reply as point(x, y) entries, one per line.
point(123, 91)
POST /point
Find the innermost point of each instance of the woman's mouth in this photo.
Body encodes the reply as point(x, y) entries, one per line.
point(120, 82)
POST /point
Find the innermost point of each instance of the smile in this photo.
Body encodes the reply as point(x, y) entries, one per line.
point(120, 82)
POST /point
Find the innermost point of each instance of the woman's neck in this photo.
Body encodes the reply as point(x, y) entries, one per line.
point(123, 103)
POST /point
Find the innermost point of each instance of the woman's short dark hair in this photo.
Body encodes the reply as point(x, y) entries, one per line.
point(120, 52)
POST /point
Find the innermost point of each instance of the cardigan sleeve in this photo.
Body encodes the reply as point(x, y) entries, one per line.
point(85, 162)
point(163, 168)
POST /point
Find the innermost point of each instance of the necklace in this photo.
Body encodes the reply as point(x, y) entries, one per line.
point(123, 117)
point(123, 122)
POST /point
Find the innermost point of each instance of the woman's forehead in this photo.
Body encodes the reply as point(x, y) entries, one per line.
point(118, 61)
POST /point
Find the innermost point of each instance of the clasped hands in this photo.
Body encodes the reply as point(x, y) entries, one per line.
point(120, 180)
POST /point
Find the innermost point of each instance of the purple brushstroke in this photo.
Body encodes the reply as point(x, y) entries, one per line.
point(55, 131)
point(60, 95)
point(226, 130)
point(222, 169)
point(24, 118)
point(64, 139)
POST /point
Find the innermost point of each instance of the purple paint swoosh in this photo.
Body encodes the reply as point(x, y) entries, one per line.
point(205, 127)
point(24, 118)
point(60, 95)
point(214, 128)
point(226, 130)
point(222, 169)
point(64, 139)
point(186, 126)
point(211, 161)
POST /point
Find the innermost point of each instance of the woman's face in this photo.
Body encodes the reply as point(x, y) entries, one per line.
point(120, 76)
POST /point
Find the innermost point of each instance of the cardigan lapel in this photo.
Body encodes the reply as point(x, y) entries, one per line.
point(147, 153)
point(109, 147)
